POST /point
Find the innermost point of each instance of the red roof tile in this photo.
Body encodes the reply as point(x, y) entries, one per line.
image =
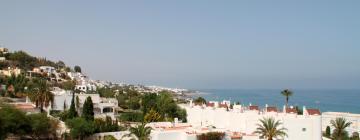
point(313, 111)
point(253, 108)
point(271, 109)
point(223, 105)
point(210, 104)
point(291, 110)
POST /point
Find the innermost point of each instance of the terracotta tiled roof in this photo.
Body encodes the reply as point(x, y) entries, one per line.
point(223, 105)
point(314, 111)
point(291, 110)
point(271, 109)
point(210, 104)
point(27, 107)
point(24, 106)
point(253, 108)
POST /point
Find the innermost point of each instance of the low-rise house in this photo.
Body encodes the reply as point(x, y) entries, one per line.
point(4, 50)
point(47, 69)
point(86, 87)
point(10, 71)
point(102, 106)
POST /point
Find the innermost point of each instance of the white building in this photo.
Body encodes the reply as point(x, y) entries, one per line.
point(243, 120)
point(47, 69)
point(102, 106)
point(10, 71)
point(86, 87)
point(83, 83)
point(353, 118)
point(4, 50)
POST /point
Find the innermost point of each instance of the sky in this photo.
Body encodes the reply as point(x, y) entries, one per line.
point(202, 44)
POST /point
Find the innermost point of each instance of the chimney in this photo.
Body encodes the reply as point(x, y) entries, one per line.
point(266, 106)
point(305, 111)
point(176, 121)
point(284, 109)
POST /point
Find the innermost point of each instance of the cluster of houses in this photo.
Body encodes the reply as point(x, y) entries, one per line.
point(156, 89)
point(237, 123)
point(240, 122)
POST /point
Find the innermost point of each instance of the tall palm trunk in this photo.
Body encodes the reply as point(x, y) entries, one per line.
point(287, 101)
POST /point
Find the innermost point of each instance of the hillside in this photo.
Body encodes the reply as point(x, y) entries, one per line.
point(25, 61)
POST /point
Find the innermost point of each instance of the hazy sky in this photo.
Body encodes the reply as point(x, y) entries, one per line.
point(194, 43)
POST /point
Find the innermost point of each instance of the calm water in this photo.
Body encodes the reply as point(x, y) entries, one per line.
point(325, 100)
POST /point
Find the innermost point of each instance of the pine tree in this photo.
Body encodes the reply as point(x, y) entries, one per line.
point(72, 111)
point(88, 109)
point(328, 131)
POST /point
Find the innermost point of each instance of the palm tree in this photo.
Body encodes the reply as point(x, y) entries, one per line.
point(142, 132)
point(40, 94)
point(340, 124)
point(269, 129)
point(287, 93)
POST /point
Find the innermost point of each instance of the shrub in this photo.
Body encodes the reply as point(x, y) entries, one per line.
point(355, 136)
point(109, 137)
point(131, 117)
point(327, 131)
point(211, 136)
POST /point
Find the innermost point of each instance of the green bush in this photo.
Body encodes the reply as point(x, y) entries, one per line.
point(355, 136)
point(80, 128)
point(109, 137)
point(328, 131)
point(107, 125)
point(131, 117)
point(164, 104)
point(211, 136)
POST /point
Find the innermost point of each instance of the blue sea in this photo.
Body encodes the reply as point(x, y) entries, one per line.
point(325, 100)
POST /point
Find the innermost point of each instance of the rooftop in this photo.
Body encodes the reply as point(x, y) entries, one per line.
point(313, 111)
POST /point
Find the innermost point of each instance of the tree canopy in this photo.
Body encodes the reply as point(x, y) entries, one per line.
point(88, 109)
point(72, 111)
point(164, 105)
point(340, 125)
point(77, 69)
point(16, 122)
point(80, 128)
point(200, 100)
